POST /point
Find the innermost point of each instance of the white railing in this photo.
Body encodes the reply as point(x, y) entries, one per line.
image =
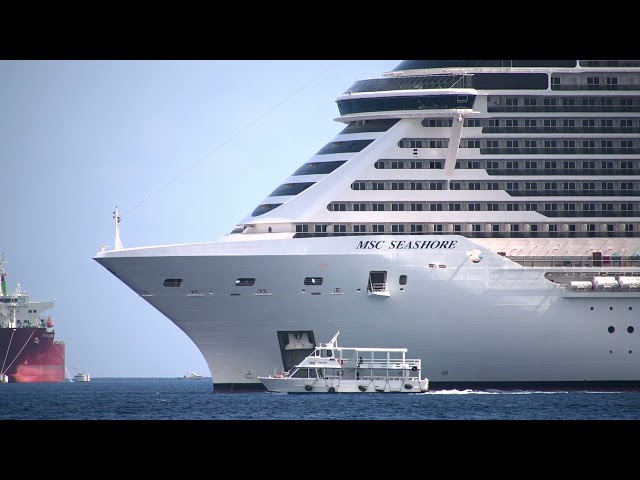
point(379, 287)
point(390, 364)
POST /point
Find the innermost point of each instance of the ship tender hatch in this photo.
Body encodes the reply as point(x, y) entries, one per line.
point(377, 285)
point(295, 346)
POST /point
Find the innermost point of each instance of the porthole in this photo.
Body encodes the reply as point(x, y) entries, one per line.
point(630, 308)
point(611, 329)
point(610, 308)
point(630, 329)
point(591, 308)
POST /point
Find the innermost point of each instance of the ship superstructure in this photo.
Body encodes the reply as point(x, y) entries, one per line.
point(482, 213)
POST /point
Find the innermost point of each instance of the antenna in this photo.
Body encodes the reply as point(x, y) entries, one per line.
point(3, 274)
point(4, 312)
point(116, 218)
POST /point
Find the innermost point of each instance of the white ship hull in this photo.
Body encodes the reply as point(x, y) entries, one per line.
point(82, 377)
point(492, 322)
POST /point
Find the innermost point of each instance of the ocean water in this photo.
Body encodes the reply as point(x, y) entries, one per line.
point(176, 399)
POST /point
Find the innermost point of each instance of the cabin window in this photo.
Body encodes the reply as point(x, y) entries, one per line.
point(172, 282)
point(403, 280)
point(245, 282)
point(313, 281)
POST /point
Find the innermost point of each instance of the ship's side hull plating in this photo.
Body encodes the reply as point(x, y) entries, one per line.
point(31, 355)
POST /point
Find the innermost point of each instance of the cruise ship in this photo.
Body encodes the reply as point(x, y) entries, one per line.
point(484, 214)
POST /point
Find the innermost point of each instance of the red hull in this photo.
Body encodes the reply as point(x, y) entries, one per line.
point(31, 355)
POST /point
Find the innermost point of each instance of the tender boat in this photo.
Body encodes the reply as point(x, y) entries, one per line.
point(192, 376)
point(82, 377)
point(333, 369)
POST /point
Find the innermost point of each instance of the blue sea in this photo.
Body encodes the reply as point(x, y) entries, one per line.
point(177, 399)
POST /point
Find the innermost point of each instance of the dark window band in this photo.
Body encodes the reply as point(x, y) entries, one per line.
point(262, 209)
point(318, 168)
point(290, 189)
point(423, 102)
point(366, 126)
point(347, 146)
point(479, 81)
point(424, 64)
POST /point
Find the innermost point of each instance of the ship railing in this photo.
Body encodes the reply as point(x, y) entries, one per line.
point(576, 261)
point(378, 377)
point(600, 288)
point(383, 378)
point(23, 324)
point(379, 287)
point(382, 364)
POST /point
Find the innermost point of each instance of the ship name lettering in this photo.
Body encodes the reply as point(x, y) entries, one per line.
point(368, 244)
point(408, 245)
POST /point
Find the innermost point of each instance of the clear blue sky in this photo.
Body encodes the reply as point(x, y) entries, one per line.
point(184, 149)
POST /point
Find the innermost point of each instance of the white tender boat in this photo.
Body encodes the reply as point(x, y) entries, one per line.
point(82, 377)
point(192, 376)
point(334, 369)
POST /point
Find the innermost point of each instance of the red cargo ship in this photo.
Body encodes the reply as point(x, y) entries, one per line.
point(28, 350)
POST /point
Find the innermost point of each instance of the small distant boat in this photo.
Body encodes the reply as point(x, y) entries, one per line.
point(4, 378)
point(192, 376)
point(334, 369)
point(82, 377)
